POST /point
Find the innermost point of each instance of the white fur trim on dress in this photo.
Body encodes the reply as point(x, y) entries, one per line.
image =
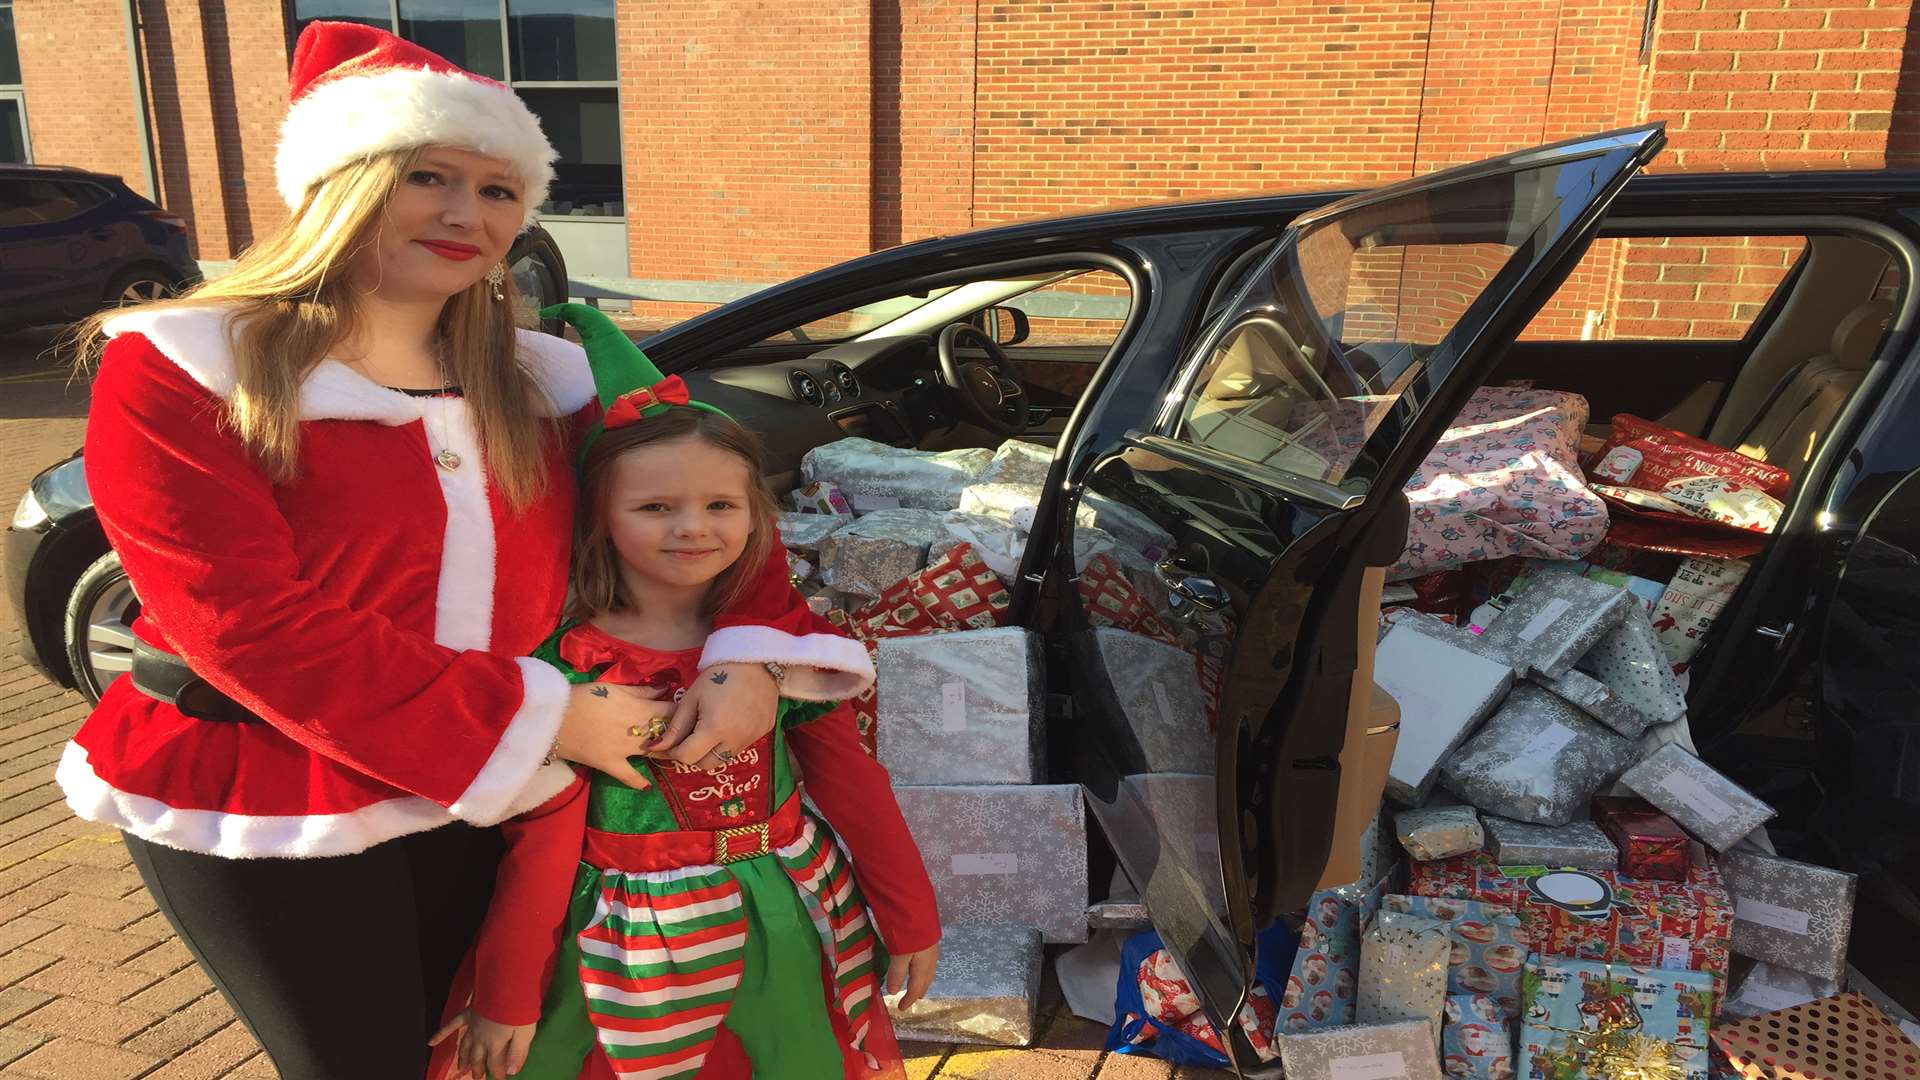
point(354, 117)
point(513, 778)
point(820, 667)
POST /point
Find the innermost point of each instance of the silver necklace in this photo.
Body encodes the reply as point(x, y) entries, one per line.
point(446, 458)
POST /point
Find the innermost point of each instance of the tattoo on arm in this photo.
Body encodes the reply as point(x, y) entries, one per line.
point(597, 691)
point(719, 678)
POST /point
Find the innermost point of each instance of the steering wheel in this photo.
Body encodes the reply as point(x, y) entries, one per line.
point(991, 396)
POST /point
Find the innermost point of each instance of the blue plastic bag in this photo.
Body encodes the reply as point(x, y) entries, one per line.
point(1275, 949)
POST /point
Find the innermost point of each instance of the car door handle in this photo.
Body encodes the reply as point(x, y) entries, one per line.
point(1202, 592)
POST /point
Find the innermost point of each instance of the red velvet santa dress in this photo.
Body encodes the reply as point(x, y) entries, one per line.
point(378, 611)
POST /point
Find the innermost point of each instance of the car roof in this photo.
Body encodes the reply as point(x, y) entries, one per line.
point(55, 172)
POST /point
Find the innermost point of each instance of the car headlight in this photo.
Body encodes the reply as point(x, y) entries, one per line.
point(29, 514)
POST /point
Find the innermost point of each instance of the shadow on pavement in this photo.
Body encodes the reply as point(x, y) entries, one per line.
point(36, 380)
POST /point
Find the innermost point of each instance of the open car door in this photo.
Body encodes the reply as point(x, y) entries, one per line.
point(1228, 727)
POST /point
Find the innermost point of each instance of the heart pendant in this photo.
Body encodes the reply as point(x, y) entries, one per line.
point(447, 460)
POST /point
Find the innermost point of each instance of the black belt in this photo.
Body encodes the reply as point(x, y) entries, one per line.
point(163, 676)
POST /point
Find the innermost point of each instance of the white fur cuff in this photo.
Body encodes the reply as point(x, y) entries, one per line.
point(508, 778)
point(820, 667)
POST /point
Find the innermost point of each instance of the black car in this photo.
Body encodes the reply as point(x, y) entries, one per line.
point(73, 242)
point(1104, 336)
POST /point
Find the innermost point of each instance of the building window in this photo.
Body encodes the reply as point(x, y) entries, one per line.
point(561, 59)
point(14, 144)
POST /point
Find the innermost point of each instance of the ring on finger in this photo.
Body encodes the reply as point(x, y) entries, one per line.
point(724, 755)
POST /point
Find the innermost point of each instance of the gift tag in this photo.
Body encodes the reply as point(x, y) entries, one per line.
point(865, 503)
point(1694, 794)
point(953, 707)
point(1542, 748)
point(995, 863)
point(1549, 613)
point(1770, 997)
point(1771, 915)
point(1162, 703)
point(1676, 953)
point(1368, 1067)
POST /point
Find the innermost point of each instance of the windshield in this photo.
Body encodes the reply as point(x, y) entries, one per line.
point(849, 324)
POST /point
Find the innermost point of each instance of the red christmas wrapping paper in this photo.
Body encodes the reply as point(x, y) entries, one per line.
point(1600, 914)
point(1109, 599)
point(1667, 455)
point(1651, 845)
point(1837, 1038)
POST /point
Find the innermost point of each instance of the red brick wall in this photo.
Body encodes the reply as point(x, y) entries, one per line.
point(79, 90)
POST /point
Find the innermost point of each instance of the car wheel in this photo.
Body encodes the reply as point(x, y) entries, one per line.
point(99, 626)
point(139, 287)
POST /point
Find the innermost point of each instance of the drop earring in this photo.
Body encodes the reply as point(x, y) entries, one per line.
point(497, 277)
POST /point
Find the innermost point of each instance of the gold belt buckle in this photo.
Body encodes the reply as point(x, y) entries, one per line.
point(723, 843)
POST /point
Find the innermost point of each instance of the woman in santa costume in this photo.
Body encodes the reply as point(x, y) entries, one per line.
point(341, 481)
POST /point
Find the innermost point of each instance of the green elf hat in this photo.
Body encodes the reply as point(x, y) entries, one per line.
point(631, 388)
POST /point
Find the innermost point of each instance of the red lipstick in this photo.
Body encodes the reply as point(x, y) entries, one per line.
point(450, 249)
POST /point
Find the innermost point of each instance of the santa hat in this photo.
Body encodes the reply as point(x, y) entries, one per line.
point(631, 388)
point(357, 91)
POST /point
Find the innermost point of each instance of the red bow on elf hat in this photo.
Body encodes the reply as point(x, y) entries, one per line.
point(631, 407)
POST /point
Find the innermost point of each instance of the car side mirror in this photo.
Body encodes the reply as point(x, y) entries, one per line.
point(1005, 325)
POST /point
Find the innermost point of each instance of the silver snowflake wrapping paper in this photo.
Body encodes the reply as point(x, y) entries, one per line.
point(875, 476)
point(998, 544)
point(1697, 797)
point(1004, 854)
point(1579, 846)
point(1017, 462)
point(1597, 700)
point(1790, 914)
point(1766, 988)
point(801, 533)
point(1439, 832)
point(1556, 620)
point(870, 554)
point(1185, 815)
point(1444, 692)
point(1403, 970)
point(1630, 661)
point(1538, 760)
point(986, 989)
point(1001, 500)
point(1402, 1051)
point(961, 708)
point(1159, 691)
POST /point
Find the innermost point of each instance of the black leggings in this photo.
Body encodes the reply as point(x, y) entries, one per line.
point(339, 966)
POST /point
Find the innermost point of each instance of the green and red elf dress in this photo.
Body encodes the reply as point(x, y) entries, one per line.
point(708, 926)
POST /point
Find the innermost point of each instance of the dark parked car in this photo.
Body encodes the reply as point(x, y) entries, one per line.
point(73, 242)
point(1159, 353)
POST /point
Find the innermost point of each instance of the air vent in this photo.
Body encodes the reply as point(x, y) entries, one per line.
point(806, 389)
point(843, 375)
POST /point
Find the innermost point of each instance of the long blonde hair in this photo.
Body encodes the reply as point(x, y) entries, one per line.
point(597, 585)
point(294, 304)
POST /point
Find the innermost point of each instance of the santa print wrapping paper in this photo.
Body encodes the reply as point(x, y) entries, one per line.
point(1581, 845)
point(1557, 620)
point(876, 476)
point(1487, 951)
point(1792, 914)
point(1402, 1051)
point(1538, 760)
point(1160, 701)
point(1599, 914)
point(1838, 1038)
point(961, 708)
point(1503, 480)
point(1564, 997)
point(1003, 853)
point(1403, 969)
point(1477, 1043)
point(1171, 1003)
point(1695, 794)
point(1323, 983)
point(985, 990)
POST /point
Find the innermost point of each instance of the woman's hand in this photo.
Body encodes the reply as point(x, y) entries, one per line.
point(728, 708)
point(486, 1048)
point(914, 972)
point(605, 725)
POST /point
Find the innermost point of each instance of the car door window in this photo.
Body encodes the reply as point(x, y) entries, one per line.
point(44, 202)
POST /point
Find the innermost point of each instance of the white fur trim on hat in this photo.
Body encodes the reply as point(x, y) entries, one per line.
point(347, 119)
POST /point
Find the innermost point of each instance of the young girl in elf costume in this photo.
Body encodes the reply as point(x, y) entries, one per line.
point(706, 926)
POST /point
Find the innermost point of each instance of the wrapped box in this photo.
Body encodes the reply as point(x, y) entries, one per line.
point(1435, 626)
point(961, 708)
point(1488, 947)
point(1017, 462)
point(1538, 760)
point(1631, 663)
point(985, 990)
point(1846, 1037)
point(1160, 700)
point(1503, 480)
point(876, 476)
point(1403, 1051)
point(1557, 620)
point(1185, 816)
point(1568, 999)
point(1439, 832)
point(1403, 970)
point(1323, 983)
point(1791, 914)
point(1599, 914)
point(1003, 500)
point(1477, 1043)
point(1444, 692)
point(1581, 845)
point(820, 497)
point(801, 533)
point(1004, 854)
point(1699, 591)
point(998, 544)
point(1651, 845)
point(1598, 700)
point(1694, 794)
point(1764, 988)
point(874, 553)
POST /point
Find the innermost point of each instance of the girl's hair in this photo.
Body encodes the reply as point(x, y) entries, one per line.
point(294, 304)
point(597, 584)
